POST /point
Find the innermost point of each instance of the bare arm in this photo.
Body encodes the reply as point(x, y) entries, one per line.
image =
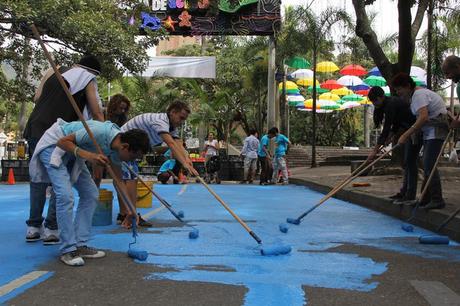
point(177, 149)
point(93, 102)
point(421, 120)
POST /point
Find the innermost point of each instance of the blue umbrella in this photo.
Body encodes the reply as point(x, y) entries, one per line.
point(359, 87)
point(374, 71)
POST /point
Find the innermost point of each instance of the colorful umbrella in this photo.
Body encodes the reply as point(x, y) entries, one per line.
point(322, 104)
point(297, 62)
point(295, 99)
point(343, 91)
point(355, 70)
point(359, 87)
point(365, 101)
point(302, 74)
point(418, 82)
point(331, 84)
point(329, 96)
point(289, 85)
point(375, 81)
point(362, 92)
point(386, 90)
point(306, 82)
point(353, 97)
point(418, 72)
point(350, 104)
point(319, 90)
point(374, 71)
point(349, 80)
point(326, 67)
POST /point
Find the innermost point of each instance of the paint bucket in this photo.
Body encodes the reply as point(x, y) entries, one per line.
point(103, 213)
point(144, 196)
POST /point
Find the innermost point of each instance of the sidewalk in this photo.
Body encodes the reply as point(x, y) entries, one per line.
point(375, 196)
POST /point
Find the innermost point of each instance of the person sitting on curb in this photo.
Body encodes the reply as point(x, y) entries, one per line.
point(59, 159)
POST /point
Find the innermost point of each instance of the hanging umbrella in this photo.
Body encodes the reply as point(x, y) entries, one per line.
point(302, 74)
point(365, 101)
point(297, 62)
point(295, 99)
point(349, 80)
point(418, 82)
point(359, 87)
point(353, 97)
point(306, 82)
point(418, 72)
point(322, 104)
point(343, 91)
point(386, 90)
point(329, 96)
point(319, 90)
point(289, 85)
point(375, 81)
point(350, 104)
point(362, 92)
point(331, 84)
point(326, 67)
point(374, 71)
point(355, 70)
point(318, 111)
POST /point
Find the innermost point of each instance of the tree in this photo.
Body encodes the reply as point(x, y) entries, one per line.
point(407, 34)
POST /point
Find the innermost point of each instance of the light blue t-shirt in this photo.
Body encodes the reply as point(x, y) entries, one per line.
point(104, 133)
point(264, 142)
point(168, 165)
point(167, 154)
point(281, 145)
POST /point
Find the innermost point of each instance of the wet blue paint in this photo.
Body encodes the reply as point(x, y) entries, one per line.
point(223, 243)
point(23, 288)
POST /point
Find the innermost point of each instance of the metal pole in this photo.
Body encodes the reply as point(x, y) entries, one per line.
point(271, 107)
point(313, 121)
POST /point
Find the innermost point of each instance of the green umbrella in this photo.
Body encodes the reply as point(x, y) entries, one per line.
point(298, 62)
point(319, 90)
point(353, 97)
point(374, 80)
point(417, 81)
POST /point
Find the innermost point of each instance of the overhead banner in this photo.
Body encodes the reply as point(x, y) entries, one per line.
point(181, 67)
point(211, 17)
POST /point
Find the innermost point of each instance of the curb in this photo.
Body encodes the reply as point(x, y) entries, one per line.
point(428, 220)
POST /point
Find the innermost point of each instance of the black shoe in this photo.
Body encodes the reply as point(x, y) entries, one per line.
point(397, 196)
point(120, 218)
point(143, 222)
point(408, 201)
point(435, 205)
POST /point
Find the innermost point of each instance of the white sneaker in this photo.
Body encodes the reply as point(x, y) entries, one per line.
point(34, 233)
point(50, 237)
point(72, 259)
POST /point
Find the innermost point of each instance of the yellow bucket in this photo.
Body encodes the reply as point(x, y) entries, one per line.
point(144, 196)
point(103, 212)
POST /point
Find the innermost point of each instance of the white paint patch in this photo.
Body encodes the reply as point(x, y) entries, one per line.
point(436, 293)
point(150, 214)
point(21, 281)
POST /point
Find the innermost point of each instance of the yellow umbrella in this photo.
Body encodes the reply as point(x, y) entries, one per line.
point(329, 96)
point(365, 101)
point(306, 82)
point(342, 91)
point(326, 67)
point(289, 85)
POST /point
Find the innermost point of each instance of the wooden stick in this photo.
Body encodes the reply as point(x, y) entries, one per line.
point(130, 207)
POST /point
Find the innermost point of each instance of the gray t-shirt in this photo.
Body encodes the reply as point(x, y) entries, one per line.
point(250, 146)
point(154, 124)
point(435, 105)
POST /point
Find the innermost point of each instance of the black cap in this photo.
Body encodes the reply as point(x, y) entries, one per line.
point(90, 62)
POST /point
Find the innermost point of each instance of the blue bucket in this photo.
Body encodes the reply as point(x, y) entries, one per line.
point(103, 213)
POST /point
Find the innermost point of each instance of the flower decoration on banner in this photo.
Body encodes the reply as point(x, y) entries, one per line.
point(150, 22)
point(169, 23)
point(185, 19)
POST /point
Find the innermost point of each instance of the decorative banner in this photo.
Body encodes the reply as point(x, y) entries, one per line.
point(181, 67)
point(211, 17)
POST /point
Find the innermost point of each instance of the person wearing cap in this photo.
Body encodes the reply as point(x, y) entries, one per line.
point(51, 103)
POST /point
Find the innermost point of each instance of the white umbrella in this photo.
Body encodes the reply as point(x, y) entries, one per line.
point(302, 74)
point(418, 72)
point(318, 111)
point(295, 98)
point(349, 80)
point(350, 104)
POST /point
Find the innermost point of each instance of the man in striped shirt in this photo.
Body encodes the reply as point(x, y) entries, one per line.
point(160, 127)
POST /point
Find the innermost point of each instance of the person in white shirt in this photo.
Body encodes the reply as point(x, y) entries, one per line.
point(211, 147)
point(249, 151)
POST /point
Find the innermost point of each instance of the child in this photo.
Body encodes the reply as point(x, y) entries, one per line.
point(279, 160)
point(59, 159)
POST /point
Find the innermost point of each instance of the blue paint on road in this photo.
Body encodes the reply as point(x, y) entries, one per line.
point(225, 253)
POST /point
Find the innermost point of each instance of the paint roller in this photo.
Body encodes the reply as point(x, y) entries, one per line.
point(178, 215)
point(135, 253)
point(266, 251)
point(433, 239)
point(361, 169)
point(130, 207)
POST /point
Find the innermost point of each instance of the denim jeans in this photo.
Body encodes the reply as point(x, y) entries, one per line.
point(431, 149)
point(73, 232)
point(38, 199)
point(411, 153)
point(279, 163)
point(250, 166)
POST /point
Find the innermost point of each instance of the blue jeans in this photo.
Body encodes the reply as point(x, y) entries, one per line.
point(431, 149)
point(38, 200)
point(73, 232)
point(411, 153)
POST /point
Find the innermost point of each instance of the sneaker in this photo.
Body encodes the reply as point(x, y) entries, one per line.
point(285, 183)
point(72, 259)
point(120, 218)
point(144, 223)
point(50, 237)
point(396, 196)
point(88, 252)
point(408, 201)
point(435, 205)
point(34, 233)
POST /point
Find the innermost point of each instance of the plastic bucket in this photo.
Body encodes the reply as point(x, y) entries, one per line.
point(144, 196)
point(103, 213)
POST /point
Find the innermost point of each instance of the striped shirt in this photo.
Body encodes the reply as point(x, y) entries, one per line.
point(154, 124)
